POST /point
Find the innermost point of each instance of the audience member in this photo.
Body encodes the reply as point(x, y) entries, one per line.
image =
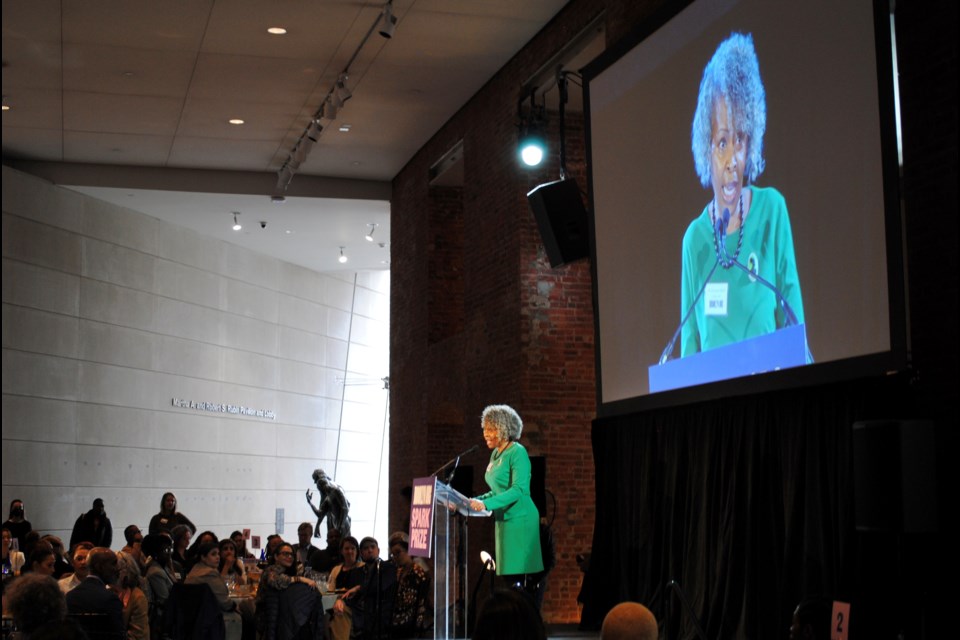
point(13, 560)
point(43, 560)
point(306, 552)
point(231, 567)
point(78, 559)
point(509, 614)
point(136, 609)
point(411, 613)
point(18, 526)
point(61, 566)
point(277, 578)
point(812, 619)
point(629, 621)
point(134, 538)
point(377, 592)
point(161, 576)
point(327, 558)
point(273, 541)
point(241, 544)
point(344, 577)
point(181, 535)
point(206, 571)
point(193, 553)
point(92, 595)
point(93, 526)
point(169, 517)
point(39, 609)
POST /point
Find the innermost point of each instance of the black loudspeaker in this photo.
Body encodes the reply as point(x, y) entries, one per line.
point(538, 483)
point(894, 476)
point(562, 220)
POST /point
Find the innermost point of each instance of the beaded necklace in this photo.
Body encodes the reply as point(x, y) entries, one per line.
point(726, 264)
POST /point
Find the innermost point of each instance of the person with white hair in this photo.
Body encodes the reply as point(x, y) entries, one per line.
point(516, 519)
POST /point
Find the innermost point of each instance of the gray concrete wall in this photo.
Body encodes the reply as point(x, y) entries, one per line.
point(109, 314)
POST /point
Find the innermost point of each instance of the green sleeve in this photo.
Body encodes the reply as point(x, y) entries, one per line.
point(518, 464)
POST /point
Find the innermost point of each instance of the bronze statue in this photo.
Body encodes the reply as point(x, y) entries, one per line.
point(333, 505)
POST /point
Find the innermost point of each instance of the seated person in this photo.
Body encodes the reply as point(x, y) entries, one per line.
point(306, 552)
point(231, 567)
point(629, 620)
point(192, 554)
point(39, 609)
point(241, 544)
point(181, 534)
point(207, 571)
point(61, 565)
point(275, 581)
point(43, 560)
point(13, 560)
point(327, 558)
point(136, 609)
point(411, 613)
point(92, 595)
point(161, 576)
point(78, 560)
point(343, 579)
point(134, 539)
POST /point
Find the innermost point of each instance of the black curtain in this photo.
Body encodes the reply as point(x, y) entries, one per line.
point(747, 503)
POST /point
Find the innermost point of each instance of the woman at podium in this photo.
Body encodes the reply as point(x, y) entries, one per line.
point(517, 521)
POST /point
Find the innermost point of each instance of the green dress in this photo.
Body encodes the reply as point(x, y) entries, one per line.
point(517, 521)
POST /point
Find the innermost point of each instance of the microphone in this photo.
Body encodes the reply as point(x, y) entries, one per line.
point(676, 334)
point(455, 461)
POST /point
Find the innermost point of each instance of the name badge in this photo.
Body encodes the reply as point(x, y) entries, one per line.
point(715, 299)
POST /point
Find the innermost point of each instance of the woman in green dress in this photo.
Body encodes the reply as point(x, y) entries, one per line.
point(517, 521)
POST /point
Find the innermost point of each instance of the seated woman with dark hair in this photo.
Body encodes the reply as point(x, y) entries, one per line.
point(411, 615)
point(193, 553)
point(207, 571)
point(42, 559)
point(241, 544)
point(275, 583)
point(231, 567)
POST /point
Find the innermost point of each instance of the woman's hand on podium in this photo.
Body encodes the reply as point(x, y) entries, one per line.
point(477, 505)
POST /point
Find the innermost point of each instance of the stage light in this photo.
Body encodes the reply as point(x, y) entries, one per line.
point(388, 24)
point(532, 146)
point(342, 259)
point(236, 223)
point(369, 236)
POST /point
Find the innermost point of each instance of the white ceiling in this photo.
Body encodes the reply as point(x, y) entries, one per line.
point(130, 99)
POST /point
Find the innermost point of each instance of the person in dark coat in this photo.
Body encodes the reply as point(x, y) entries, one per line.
point(94, 527)
point(92, 595)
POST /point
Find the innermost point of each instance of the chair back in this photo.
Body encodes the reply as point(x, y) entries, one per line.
point(97, 626)
point(193, 613)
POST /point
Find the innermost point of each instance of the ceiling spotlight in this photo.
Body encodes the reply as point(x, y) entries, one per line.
point(314, 130)
point(236, 222)
point(388, 24)
point(369, 236)
point(276, 31)
point(342, 92)
point(342, 259)
point(235, 121)
point(331, 106)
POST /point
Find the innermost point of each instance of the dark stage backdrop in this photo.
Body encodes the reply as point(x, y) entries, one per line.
point(748, 504)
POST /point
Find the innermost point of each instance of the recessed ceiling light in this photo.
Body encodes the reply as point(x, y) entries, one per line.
point(344, 128)
point(277, 31)
point(235, 121)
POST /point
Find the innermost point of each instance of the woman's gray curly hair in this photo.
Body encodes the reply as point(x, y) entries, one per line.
point(733, 73)
point(504, 419)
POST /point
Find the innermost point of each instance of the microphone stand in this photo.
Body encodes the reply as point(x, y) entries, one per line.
point(455, 461)
point(686, 605)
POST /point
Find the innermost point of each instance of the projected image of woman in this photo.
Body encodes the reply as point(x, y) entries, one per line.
point(727, 143)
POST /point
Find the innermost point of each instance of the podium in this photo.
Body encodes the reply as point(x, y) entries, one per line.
point(780, 349)
point(450, 513)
